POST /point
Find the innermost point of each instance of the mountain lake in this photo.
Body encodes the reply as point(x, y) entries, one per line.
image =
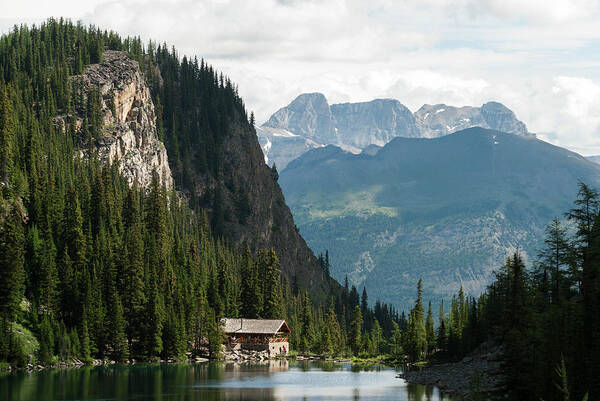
point(272, 380)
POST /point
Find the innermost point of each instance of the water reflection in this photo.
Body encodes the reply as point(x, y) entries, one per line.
point(270, 380)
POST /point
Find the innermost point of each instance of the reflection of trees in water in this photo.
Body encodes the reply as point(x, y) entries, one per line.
point(255, 368)
point(419, 392)
point(182, 382)
point(249, 394)
point(359, 367)
point(329, 366)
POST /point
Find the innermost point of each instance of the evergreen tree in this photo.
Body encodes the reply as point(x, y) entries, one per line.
point(396, 341)
point(430, 330)
point(12, 271)
point(251, 294)
point(154, 319)
point(134, 290)
point(355, 330)
point(268, 263)
point(555, 258)
point(215, 335)
point(6, 140)
point(415, 342)
point(306, 325)
point(334, 333)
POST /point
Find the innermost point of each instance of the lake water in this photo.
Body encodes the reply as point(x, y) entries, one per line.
point(273, 380)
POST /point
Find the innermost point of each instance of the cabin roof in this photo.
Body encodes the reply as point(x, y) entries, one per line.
point(254, 326)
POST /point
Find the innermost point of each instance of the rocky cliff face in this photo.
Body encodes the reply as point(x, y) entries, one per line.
point(308, 115)
point(440, 119)
point(501, 118)
point(246, 189)
point(129, 132)
point(255, 210)
point(373, 123)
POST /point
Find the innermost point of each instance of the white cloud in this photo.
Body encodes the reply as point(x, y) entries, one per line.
point(539, 57)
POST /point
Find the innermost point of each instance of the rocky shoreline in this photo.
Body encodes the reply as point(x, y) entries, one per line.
point(476, 376)
point(227, 356)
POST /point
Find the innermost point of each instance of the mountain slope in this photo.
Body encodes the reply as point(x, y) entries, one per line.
point(282, 145)
point(446, 209)
point(218, 163)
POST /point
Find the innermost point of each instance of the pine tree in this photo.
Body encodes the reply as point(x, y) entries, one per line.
point(268, 261)
point(6, 140)
point(118, 339)
point(306, 325)
point(251, 295)
point(355, 330)
point(442, 338)
point(215, 335)
point(555, 257)
point(430, 330)
point(134, 290)
point(334, 332)
point(154, 320)
point(396, 341)
point(376, 338)
point(517, 348)
point(12, 271)
point(49, 292)
point(364, 306)
point(46, 340)
point(415, 342)
point(85, 354)
point(75, 241)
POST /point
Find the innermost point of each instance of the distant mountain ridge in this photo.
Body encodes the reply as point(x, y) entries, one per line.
point(440, 119)
point(310, 121)
point(595, 159)
point(447, 209)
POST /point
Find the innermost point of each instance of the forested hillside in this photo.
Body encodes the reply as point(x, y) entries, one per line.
point(545, 314)
point(217, 162)
point(96, 262)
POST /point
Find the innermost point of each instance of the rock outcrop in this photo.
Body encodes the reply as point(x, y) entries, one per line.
point(373, 123)
point(476, 376)
point(129, 132)
point(309, 115)
point(255, 212)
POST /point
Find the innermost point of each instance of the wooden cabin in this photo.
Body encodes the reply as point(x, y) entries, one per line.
point(258, 335)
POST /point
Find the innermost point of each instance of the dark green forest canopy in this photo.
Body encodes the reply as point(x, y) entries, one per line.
point(97, 268)
point(546, 316)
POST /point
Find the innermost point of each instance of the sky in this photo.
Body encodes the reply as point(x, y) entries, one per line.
point(541, 58)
